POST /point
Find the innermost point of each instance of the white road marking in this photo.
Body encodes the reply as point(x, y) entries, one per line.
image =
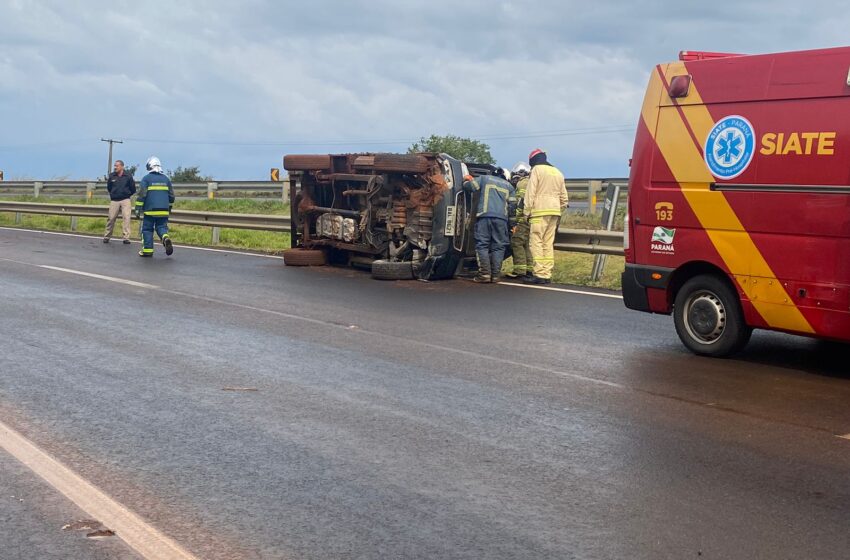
point(567, 290)
point(79, 235)
point(132, 529)
point(210, 249)
point(100, 277)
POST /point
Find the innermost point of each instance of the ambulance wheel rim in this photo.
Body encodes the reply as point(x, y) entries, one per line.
point(705, 317)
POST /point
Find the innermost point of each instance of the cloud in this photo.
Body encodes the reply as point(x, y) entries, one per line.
point(231, 87)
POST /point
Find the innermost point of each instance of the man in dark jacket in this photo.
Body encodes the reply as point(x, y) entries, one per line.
point(496, 205)
point(121, 187)
point(156, 195)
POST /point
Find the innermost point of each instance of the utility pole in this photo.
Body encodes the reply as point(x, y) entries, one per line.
point(111, 141)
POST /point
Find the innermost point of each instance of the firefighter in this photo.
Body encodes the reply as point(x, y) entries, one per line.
point(156, 196)
point(545, 200)
point(496, 206)
point(519, 233)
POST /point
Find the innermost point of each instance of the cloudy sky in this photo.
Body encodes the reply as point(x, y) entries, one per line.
point(232, 86)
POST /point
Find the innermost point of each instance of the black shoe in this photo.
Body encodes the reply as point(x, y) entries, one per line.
point(547, 280)
point(126, 242)
point(106, 240)
point(169, 246)
point(529, 275)
point(482, 278)
point(495, 278)
point(533, 280)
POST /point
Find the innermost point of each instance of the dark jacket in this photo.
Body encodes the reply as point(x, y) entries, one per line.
point(497, 197)
point(156, 195)
point(120, 187)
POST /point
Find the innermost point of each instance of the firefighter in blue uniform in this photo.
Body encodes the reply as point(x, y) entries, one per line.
point(156, 195)
point(496, 205)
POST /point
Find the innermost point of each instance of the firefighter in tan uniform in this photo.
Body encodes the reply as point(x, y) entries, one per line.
point(545, 200)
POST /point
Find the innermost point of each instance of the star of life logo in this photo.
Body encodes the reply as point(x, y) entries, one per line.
point(662, 241)
point(730, 147)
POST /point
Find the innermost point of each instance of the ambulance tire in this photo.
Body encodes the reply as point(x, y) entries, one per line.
point(392, 270)
point(305, 257)
point(708, 317)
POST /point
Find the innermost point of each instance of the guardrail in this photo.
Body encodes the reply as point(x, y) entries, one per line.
point(246, 189)
point(571, 240)
point(97, 189)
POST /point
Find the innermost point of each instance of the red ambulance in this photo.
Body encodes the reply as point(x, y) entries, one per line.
point(739, 197)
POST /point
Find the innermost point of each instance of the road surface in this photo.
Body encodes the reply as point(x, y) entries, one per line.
point(244, 409)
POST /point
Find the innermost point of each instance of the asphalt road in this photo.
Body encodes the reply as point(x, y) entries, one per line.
point(401, 420)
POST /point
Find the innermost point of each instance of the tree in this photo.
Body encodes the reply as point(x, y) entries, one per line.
point(188, 175)
point(464, 149)
point(131, 170)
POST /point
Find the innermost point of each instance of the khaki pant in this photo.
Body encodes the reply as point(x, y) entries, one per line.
point(114, 207)
point(542, 244)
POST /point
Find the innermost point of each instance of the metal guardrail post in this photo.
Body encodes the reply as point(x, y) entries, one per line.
point(216, 235)
point(593, 188)
point(612, 202)
point(36, 188)
point(73, 223)
point(90, 190)
point(211, 188)
point(18, 218)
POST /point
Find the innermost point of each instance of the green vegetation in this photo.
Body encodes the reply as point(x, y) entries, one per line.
point(570, 268)
point(574, 268)
point(266, 241)
point(584, 220)
point(464, 149)
point(188, 175)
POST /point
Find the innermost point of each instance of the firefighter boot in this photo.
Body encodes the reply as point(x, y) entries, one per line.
point(169, 246)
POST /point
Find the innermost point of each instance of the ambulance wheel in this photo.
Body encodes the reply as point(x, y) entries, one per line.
point(304, 257)
point(392, 270)
point(708, 317)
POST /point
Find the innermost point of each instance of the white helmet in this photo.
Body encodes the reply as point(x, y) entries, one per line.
point(521, 168)
point(153, 164)
point(506, 173)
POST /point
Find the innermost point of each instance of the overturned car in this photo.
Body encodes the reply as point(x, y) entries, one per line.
point(403, 215)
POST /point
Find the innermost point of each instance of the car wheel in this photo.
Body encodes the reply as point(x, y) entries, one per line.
point(304, 257)
point(401, 163)
point(307, 162)
point(708, 317)
point(392, 270)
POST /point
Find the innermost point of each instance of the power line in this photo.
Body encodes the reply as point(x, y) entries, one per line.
point(610, 129)
point(547, 134)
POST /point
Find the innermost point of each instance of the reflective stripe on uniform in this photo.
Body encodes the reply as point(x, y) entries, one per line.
point(158, 188)
point(144, 250)
point(487, 188)
point(546, 212)
point(156, 212)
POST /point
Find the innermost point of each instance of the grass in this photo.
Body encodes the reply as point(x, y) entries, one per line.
point(266, 241)
point(570, 268)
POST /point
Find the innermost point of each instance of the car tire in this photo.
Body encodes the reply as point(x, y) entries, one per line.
point(307, 162)
point(708, 317)
point(392, 270)
point(401, 163)
point(305, 257)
